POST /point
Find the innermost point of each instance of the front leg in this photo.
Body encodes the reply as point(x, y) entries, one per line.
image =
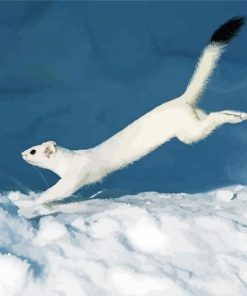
point(62, 189)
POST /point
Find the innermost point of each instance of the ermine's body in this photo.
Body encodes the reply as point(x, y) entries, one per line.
point(177, 118)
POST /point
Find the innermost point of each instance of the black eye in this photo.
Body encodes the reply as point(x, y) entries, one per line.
point(33, 151)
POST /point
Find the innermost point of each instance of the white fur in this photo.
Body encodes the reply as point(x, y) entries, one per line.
point(177, 118)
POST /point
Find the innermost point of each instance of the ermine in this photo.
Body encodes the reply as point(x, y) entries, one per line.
point(180, 118)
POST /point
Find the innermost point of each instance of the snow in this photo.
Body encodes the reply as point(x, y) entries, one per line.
point(150, 244)
point(14, 275)
point(225, 195)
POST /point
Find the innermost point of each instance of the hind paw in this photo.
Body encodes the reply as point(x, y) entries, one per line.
point(234, 116)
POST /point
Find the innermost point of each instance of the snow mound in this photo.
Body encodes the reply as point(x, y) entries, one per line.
point(147, 244)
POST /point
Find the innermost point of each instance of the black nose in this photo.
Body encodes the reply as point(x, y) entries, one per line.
point(33, 151)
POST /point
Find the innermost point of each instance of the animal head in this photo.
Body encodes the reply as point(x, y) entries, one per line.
point(41, 155)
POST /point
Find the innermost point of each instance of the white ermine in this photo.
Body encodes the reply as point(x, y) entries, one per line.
point(179, 118)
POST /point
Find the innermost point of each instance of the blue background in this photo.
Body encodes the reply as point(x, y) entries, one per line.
point(78, 72)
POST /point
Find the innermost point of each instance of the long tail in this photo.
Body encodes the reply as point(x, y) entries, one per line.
point(208, 60)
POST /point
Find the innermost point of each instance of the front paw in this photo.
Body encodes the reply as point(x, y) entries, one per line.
point(28, 212)
point(25, 203)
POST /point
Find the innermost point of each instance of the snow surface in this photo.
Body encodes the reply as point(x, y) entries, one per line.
point(147, 244)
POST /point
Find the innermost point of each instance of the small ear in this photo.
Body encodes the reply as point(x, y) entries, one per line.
point(50, 149)
point(51, 142)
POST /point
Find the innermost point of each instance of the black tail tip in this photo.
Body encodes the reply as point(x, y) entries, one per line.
point(228, 30)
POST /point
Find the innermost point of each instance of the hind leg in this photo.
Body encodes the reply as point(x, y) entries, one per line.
point(199, 129)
